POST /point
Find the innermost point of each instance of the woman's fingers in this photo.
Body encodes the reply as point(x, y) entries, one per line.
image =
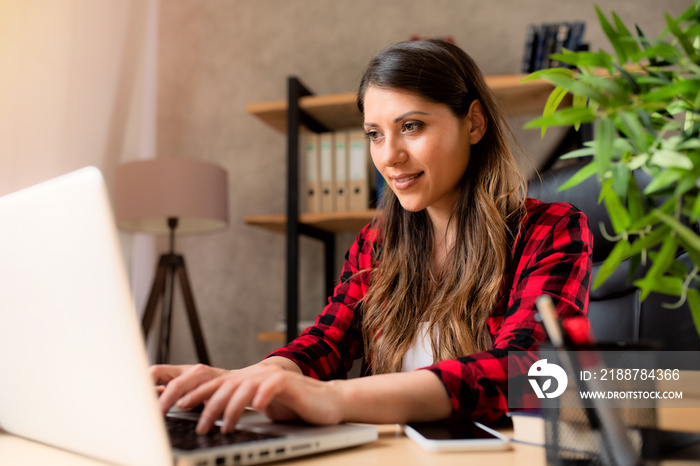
point(202, 393)
point(224, 390)
point(237, 403)
point(162, 374)
point(185, 383)
point(229, 395)
point(268, 389)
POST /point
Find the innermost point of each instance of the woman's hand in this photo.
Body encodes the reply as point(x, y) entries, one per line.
point(174, 382)
point(280, 394)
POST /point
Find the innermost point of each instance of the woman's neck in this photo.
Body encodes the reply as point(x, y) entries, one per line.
point(443, 239)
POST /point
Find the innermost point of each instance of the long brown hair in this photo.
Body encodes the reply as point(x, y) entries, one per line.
point(405, 290)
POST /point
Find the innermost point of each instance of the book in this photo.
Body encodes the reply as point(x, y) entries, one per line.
point(540, 46)
point(530, 49)
point(312, 186)
point(561, 38)
point(575, 36)
point(327, 169)
point(549, 44)
point(546, 39)
point(359, 173)
point(528, 426)
point(342, 181)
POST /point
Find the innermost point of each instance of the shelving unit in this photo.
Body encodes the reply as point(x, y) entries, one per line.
point(333, 113)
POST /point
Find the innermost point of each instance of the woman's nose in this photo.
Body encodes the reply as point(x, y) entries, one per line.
point(393, 151)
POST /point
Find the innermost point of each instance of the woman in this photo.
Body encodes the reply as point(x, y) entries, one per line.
point(445, 279)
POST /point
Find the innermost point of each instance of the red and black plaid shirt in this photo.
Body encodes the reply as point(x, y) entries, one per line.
point(551, 255)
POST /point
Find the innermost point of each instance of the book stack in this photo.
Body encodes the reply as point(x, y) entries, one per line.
point(338, 173)
point(549, 38)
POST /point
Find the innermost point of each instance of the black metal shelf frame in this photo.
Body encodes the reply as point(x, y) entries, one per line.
point(297, 117)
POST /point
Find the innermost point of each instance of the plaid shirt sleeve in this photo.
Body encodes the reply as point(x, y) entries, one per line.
point(551, 255)
point(327, 349)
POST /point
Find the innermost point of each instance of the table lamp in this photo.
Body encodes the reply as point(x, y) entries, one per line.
point(165, 196)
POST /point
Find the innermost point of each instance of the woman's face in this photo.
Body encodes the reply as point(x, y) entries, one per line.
point(420, 147)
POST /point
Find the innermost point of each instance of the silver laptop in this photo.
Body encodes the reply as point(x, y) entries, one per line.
point(72, 360)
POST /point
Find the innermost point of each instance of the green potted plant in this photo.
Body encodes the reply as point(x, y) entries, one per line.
point(644, 104)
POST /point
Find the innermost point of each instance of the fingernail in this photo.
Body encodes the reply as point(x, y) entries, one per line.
point(182, 402)
point(227, 427)
point(202, 426)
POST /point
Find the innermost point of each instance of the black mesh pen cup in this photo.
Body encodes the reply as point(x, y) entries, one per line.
point(606, 415)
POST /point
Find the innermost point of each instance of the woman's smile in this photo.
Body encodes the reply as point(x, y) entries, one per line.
point(405, 181)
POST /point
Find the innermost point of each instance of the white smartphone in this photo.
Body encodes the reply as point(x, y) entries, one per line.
point(455, 436)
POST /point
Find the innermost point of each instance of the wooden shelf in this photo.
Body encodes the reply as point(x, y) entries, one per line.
point(335, 222)
point(271, 337)
point(339, 111)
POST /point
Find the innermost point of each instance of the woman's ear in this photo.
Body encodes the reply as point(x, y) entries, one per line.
point(477, 122)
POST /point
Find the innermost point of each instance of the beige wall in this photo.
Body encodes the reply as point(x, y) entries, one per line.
point(74, 90)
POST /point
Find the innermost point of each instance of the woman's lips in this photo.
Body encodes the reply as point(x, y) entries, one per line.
point(405, 181)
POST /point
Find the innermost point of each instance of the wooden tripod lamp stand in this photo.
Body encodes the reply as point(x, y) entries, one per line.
point(165, 196)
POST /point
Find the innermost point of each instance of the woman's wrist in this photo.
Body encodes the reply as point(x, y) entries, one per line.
point(346, 400)
point(284, 363)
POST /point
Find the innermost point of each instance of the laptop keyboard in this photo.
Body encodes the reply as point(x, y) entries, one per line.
point(183, 436)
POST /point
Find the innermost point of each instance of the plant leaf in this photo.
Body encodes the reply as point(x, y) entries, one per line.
point(696, 209)
point(671, 159)
point(682, 38)
point(627, 41)
point(564, 117)
point(617, 212)
point(542, 74)
point(693, 297)
point(650, 240)
point(667, 285)
point(664, 179)
point(555, 98)
point(688, 88)
point(691, 239)
point(583, 174)
point(617, 255)
point(612, 36)
point(577, 87)
point(635, 204)
point(604, 134)
point(630, 124)
point(582, 152)
point(584, 58)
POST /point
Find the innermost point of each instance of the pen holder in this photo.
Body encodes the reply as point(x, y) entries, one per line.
point(592, 431)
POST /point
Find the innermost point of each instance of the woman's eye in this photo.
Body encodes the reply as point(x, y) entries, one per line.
point(411, 126)
point(372, 135)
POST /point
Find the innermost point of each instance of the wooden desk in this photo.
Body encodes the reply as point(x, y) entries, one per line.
point(392, 449)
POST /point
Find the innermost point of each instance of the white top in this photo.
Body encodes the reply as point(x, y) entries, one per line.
point(420, 354)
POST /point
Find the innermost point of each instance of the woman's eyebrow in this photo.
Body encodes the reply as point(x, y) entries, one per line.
point(407, 114)
point(400, 117)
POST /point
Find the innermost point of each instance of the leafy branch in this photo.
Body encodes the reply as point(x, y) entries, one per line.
point(644, 104)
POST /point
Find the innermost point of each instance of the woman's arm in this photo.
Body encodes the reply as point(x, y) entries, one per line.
point(395, 398)
point(286, 395)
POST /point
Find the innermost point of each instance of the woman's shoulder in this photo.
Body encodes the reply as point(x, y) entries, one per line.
point(550, 213)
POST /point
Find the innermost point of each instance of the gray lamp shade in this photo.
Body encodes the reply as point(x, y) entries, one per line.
point(148, 192)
